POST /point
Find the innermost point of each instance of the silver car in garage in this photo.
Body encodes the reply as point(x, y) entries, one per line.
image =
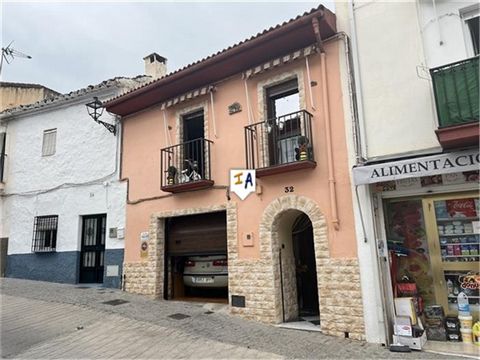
point(206, 271)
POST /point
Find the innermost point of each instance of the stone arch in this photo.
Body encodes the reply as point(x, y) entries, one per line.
point(270, 244)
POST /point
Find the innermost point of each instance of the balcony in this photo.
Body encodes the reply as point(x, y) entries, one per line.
point(280, 145)
point(186, 166)
point(456, 89)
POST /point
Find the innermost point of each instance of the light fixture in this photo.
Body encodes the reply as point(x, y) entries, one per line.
point(95, 110)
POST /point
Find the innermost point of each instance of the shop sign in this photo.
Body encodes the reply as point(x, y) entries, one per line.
point(144, 244)
point(470, 281)
point(418, 167)
point(242, 182)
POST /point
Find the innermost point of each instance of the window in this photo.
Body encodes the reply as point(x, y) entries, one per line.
point(471, 16)
point(283, 104)
point(473, 26)
point(49, 142)
point(45, 233)
point(2, 156)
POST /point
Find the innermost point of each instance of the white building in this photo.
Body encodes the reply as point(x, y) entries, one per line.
point(415, 150)
point(62, 203)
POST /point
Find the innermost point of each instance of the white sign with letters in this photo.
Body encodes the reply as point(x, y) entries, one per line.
point(242, 182)
point(418, 167)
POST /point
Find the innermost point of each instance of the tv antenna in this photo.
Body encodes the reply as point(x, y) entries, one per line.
point(9, 53)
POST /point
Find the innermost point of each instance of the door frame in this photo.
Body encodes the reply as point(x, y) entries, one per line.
point(98, 244)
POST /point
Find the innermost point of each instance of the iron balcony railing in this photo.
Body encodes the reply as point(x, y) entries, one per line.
point(456, 88)
point(185, 163)
point(282, 140)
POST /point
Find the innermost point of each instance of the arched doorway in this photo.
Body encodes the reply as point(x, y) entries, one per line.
point(305, 267)
point(297, 267)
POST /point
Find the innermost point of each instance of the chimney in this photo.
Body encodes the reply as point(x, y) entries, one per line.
point(155, 65)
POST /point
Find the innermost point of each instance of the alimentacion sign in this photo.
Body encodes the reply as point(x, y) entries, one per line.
point(424, 166)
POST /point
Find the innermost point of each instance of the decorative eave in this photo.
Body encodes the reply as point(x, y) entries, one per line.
point(271, 44)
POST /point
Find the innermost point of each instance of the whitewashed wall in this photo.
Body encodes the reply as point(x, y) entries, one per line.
point(397, 44)
point(85, 152)
point(446, 37)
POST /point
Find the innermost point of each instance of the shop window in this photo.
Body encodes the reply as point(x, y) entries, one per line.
point(408, 247)
point(45, 233)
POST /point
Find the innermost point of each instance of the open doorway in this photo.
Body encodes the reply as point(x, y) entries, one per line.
point(305, 267)
point(298, 272)
point(196, 258)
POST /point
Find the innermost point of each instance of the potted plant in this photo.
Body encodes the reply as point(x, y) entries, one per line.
point(302, 150)
point(171, 173)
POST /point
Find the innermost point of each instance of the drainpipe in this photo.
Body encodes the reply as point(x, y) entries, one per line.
point(328, 131)
point(358, 83)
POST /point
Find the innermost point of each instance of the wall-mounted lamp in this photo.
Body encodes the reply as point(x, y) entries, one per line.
point(95, 110)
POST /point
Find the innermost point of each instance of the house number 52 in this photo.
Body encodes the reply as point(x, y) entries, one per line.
point(289, 189)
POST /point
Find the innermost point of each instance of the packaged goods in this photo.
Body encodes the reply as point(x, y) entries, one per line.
point(463, 305)
point(465, 322)
point(467, 335)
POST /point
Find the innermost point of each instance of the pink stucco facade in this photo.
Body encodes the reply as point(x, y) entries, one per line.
point(262, 270)
point(144, 136)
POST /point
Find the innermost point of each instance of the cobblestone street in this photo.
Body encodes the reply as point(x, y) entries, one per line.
point(46, 320)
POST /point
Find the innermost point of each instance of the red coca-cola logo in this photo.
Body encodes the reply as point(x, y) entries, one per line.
point(464, 207)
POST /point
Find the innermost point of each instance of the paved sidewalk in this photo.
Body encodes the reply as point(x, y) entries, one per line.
point(45, 320)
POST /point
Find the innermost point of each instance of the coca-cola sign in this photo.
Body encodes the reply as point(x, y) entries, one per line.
point(461, 208)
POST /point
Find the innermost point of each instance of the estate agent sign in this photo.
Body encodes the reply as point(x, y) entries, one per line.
point(242, 182)
point(418, 167)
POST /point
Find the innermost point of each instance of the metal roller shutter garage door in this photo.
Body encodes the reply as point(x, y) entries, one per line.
point(197, 234)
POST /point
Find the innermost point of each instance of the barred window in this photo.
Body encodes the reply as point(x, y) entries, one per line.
point(49, 142)
point(45, 233)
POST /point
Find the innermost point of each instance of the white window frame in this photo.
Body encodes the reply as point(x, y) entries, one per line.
point(468, 13)
point(49, 136)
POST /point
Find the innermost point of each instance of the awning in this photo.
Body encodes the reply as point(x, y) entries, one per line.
point(418, 167)
point(188, 96)
point(299, 54)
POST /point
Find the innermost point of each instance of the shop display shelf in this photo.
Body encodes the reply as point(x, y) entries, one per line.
point(460, 243)
point(462, 234)
point(448, 256)
point(459, 219)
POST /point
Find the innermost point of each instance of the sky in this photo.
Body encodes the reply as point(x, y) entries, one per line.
point(74, 45)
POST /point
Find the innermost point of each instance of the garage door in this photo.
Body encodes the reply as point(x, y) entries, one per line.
point(197, 234)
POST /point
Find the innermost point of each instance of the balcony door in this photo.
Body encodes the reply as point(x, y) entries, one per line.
point(284, 129)
point(193, 134)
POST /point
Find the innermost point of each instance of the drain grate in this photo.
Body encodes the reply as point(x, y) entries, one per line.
point(115, 302)
point(178, 316)
point(82, 287)
point(208, 312)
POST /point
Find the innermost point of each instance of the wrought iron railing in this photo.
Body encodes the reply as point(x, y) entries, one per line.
point(185, 163)
point(285, 139)
point(456, 88)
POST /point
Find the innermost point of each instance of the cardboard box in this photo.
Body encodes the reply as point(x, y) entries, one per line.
point(413, 343)
point(403, 326)
point(404, 307)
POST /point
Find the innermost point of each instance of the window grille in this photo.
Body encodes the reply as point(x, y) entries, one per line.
point(45, 233)
point(49, 142)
